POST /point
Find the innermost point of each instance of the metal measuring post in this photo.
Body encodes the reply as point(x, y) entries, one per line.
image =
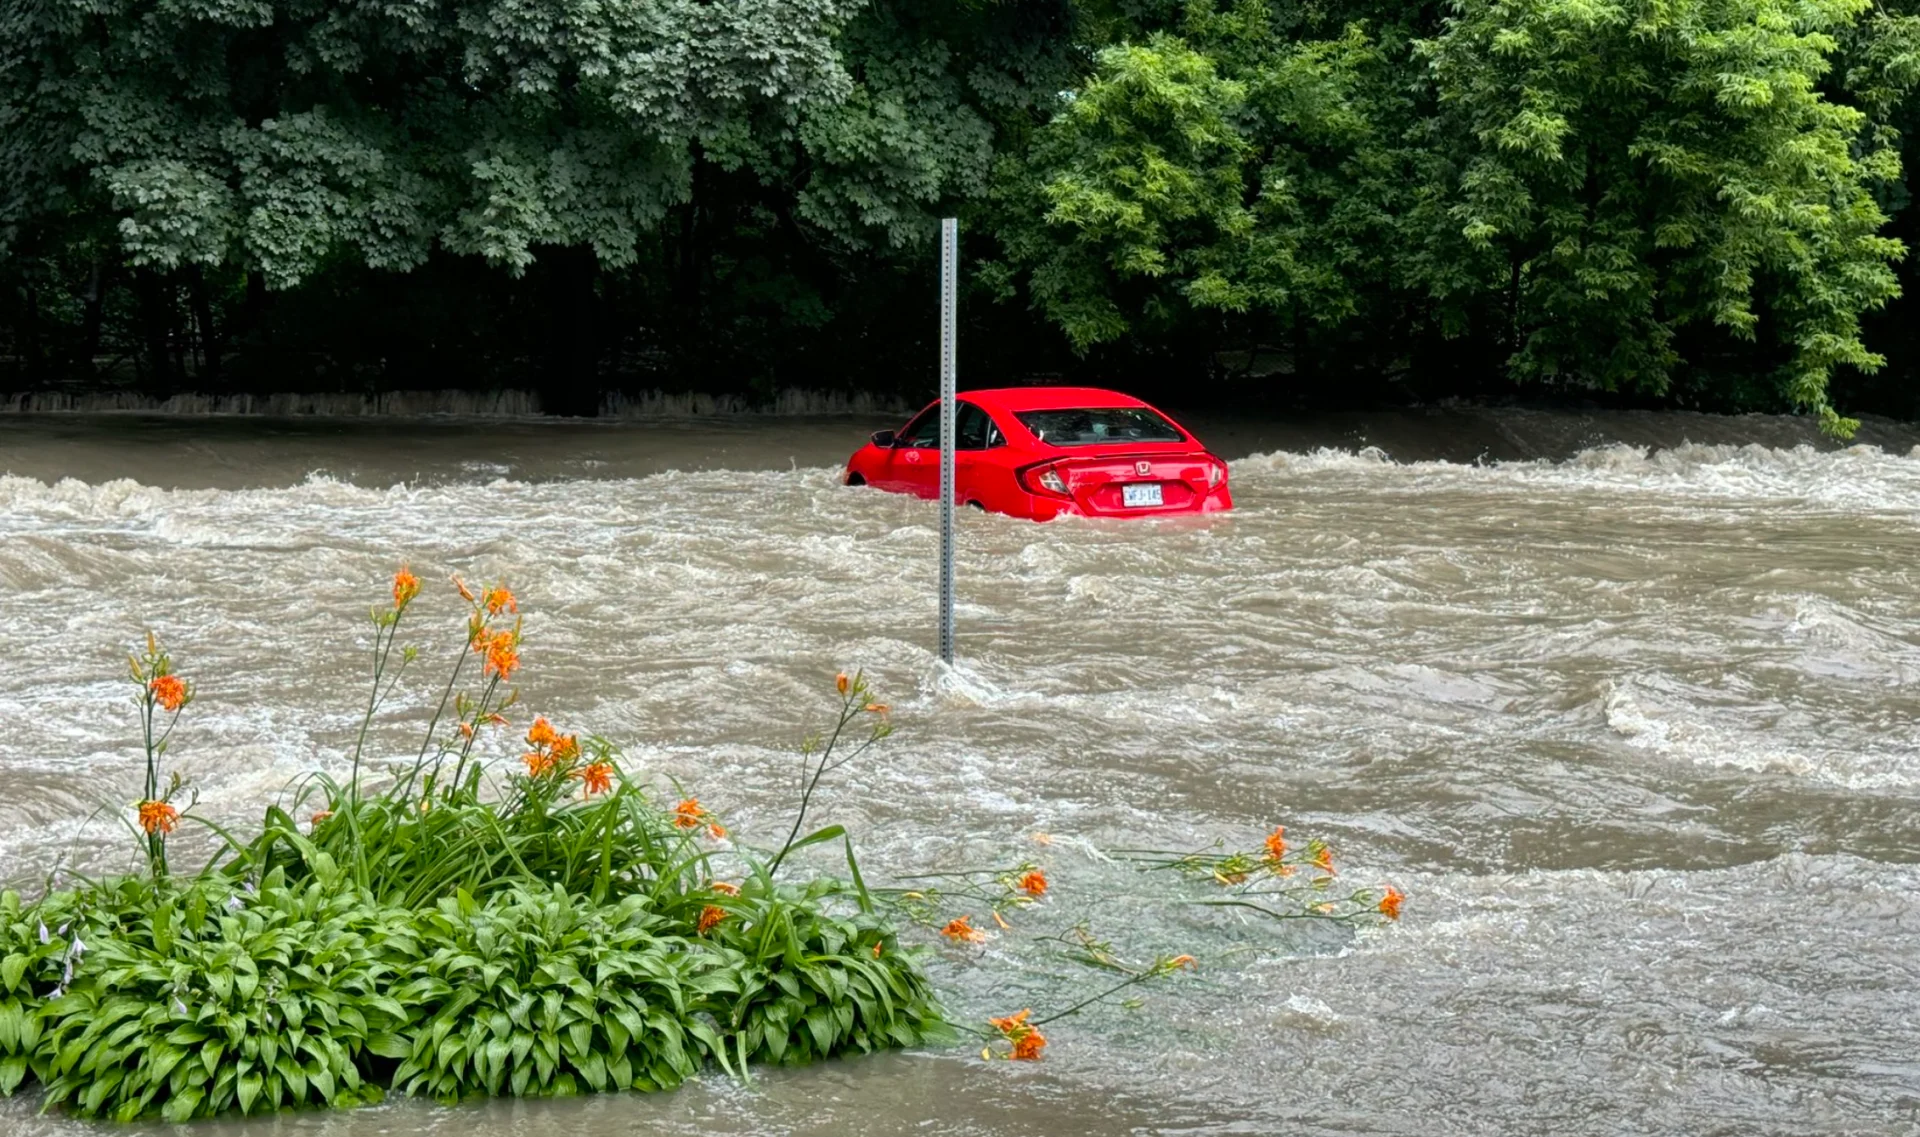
point(949, 300)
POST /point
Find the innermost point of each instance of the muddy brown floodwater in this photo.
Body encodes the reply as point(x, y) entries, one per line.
point(1625, 706)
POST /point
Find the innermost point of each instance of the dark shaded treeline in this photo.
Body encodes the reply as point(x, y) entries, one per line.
point(1698, 203)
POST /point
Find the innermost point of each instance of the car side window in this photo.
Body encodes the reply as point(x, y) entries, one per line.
point(922, 433)
point(973, 430)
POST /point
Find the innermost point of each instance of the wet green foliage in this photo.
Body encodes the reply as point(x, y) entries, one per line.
point(1684, 200)
point(445, 933)
point(233, 992)
point(193, 1003)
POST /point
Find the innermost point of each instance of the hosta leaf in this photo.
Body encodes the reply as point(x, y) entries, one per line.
point(13, 1071)
point(246, 1091)
point(12, 968)
point(182, 1106)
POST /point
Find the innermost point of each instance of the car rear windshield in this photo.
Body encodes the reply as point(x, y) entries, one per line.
point(1095, 425)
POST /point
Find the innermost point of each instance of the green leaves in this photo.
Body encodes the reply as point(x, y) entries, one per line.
point(250, 1011)
point(1636, 173)
point(300, 992)
point(1609, 194)
point(1139, 176)
point(488, 129)
point(1229, 170)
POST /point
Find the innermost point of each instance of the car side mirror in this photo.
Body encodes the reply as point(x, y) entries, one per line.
point(883, 439)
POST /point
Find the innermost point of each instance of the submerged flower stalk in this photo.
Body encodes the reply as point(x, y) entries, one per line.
point(1025, 1038)
point(960, 930)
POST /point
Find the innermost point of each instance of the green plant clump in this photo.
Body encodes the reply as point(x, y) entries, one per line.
point(447, 934)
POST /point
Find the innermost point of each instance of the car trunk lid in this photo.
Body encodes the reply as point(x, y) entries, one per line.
point(1098, 481)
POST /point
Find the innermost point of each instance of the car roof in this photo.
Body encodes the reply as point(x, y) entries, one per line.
point(1015, 399)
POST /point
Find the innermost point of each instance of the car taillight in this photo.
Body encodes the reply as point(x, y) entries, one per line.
point(1046, 480)
point(1216, 472)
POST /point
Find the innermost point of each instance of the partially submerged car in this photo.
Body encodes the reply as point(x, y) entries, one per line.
point(1040, 452)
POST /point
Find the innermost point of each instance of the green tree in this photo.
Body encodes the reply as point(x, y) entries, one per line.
point(717, 165)
point(1878, 70)
point(1640, 169)
point(1217, 170)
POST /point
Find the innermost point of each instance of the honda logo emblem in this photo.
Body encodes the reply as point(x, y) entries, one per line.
point(1143, 468)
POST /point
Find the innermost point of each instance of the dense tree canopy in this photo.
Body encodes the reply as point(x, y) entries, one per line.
point(1702, 201)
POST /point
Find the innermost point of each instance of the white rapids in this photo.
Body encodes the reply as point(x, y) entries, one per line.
point(1634, 729)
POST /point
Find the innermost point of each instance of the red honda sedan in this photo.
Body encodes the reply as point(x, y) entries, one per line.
point(1039, 452)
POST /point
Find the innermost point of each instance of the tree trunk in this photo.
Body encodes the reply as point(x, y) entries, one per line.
point(572, 382)
point(1513, 307)
point(159, 376)
point(209, 338)
point(94, 319)
point(1306, 374)
point(32, 362)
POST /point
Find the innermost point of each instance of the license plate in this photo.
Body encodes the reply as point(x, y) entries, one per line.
point(1133, 496)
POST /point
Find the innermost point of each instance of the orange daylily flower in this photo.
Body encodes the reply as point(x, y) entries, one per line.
point(538, 762)
point(1000, 920)
point(710, 916)
point(541, 733)
point(406, 586)
point(1323, 859)
point(1185, 961)
point(169, 691)
point(840, 682)
point(1277, 844)
point(158, 817)
point(877, 708)
point(499, 600)
point(503, 655)
point(725, 888)
point(688, 814)
point(1026, 1038)
point(1390, 903)
point(960, 930)
point(597, 778)
point(460, 586)
point(319, 815)
point(466, 730)
point(1034, 883)
point(876, 949)
point(567, 748)
point(1011, 1023)
point(716, 830)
